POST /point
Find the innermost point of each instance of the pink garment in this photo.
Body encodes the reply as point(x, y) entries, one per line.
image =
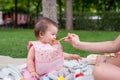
point(47, 58)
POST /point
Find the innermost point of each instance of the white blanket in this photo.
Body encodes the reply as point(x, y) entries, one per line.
point(11, 68)
point(11, 72)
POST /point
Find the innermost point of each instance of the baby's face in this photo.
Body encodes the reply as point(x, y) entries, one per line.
point(50, 34)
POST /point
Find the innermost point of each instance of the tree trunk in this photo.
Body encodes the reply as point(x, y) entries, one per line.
point(15, 23)
point(60, 12)
point(69, 16)
point(49, 9)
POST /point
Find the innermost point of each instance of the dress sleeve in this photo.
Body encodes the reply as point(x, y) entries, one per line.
point(30, 44)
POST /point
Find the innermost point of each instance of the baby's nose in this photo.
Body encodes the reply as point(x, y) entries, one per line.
point(54, 37)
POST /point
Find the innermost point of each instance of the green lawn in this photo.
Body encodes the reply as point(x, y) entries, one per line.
point(13, 42)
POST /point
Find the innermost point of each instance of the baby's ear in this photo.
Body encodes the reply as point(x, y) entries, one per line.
point(41, 34)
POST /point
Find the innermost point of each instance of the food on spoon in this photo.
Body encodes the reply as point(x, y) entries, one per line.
point(58, 40)
point(55, 41)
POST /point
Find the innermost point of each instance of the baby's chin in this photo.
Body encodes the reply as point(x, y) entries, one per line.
point(46, 42)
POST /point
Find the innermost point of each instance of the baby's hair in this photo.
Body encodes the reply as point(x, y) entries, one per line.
point(42, 25)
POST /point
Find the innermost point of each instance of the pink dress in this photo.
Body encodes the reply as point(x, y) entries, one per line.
point(47, 58)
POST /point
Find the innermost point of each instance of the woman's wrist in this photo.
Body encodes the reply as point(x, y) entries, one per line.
point(77, 44)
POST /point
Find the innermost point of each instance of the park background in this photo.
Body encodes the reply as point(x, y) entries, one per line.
point(91, 20)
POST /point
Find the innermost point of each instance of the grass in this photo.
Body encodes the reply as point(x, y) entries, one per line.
point(13, 42)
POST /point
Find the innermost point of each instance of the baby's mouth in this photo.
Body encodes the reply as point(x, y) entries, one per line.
point(55, 40)
point(58, 40)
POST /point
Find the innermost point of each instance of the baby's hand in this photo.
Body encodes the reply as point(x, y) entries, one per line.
point(34, 75)
point(75, 56)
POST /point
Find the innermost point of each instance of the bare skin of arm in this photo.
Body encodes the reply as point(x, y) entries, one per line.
point(99, 47)
point(71, 56)
point(31, 63)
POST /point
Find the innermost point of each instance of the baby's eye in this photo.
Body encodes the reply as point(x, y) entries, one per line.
point(54, 34)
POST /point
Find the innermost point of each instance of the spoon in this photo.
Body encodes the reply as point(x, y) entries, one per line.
point(58, 40)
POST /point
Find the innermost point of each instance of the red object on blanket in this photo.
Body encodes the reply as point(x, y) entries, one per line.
point(79, 75)
point(118, 54)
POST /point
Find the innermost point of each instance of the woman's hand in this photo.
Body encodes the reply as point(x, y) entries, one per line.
point(73, 39)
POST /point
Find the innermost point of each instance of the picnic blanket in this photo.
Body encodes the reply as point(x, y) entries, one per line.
point(11, 68)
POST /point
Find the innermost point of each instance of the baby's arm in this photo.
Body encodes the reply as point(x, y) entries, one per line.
point(31, 63)
point(68, 55)
point(71, 56)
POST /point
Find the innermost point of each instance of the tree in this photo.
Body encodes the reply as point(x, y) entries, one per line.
point(49, 9)
point(15, 24)
point(69, 16)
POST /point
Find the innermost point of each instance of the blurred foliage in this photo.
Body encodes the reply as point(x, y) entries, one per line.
point(83, 10)
point(108, 21)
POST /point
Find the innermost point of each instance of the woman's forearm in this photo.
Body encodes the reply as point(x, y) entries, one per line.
point(100, 47)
